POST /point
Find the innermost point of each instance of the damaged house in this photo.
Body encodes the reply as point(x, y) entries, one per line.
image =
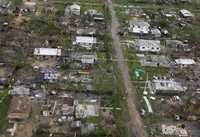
point(85, 41)
point(173, 130)
point(67, 107)
point(168, 86)
point(139, 27)
point(74, 9)
point(147, 45)
point(20, 108)
point(88, 59)
point(97, 16)
point(154, 60)
point(177, 46)
point(85, 58)
point(87, 109)
point(86, 31)
point(20, 90)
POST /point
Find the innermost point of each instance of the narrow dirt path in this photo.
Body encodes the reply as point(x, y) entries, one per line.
point(135, 119)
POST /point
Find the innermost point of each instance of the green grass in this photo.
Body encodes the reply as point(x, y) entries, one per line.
point(103, 81)
point(44, 25)
point(123, 18)
point(4, 108)
point(17, 2)
point(195, 32)
point(194, 3)
point(60, 9)
point(86, 7)
point(74, 1)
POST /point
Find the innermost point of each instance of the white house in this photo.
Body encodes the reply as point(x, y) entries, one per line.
point(139, 27)
point(47, 52)
point(185, 62)
point(185, 13)
point(148, 45)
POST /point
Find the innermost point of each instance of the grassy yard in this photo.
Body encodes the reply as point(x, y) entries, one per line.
point(134, 64)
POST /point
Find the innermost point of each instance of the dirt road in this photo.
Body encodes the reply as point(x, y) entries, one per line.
point(135, 119)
